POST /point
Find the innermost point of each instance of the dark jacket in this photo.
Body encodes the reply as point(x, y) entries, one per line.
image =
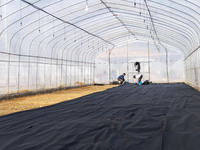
point(121, 77)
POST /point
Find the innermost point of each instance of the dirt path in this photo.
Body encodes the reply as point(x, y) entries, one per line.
point(36, 101)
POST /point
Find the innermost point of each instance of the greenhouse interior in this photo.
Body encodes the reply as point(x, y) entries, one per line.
point(137, 63)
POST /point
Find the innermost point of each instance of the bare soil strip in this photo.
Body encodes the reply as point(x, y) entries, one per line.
point(36, 101)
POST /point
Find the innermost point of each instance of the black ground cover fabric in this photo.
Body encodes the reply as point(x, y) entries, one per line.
point(128, 117)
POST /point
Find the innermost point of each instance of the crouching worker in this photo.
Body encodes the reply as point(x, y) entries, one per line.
point(138, 78)
point(121, 78)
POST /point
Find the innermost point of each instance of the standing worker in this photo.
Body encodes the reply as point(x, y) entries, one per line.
point(139, 78)
point(137, 66)
point(121, 78)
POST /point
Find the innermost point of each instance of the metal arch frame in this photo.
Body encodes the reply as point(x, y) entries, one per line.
point(21, 18)
point(6, 3)
point(82, 48)
point(60, 36)
point(191, 53)
point(63, 42)
point(34, 12)
point(68, 52)
point(146, 29)
point(63, 51)
point(82, 54)
point(72, 43)
point(41, 42)
point(21, 45)
point(108, 32)
point(166, 15)
point(176, 36)
point(187, 6)
point(21, 42)
point(173, 9)
point(98, 29)
point(171, 24)
point(16, 11)
point(94, 46)
point(23, 38)
point(47, 31)
point(118, 18)
point(36, 29)
point(29, 53)
point(68, 49)
point(151, 41)
point(176, 10)
point(88, 54)
point(198, 36)
point(174, 45)
point(152, 22)
point(73, 62)
point(50, 35)
point(180, 11)
point(66, 22)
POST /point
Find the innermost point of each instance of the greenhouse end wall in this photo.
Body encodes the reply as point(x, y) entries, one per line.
point(192, 69)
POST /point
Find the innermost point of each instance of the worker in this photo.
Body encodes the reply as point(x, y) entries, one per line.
point(138, 78)
point(137, 66)
point(121, 78)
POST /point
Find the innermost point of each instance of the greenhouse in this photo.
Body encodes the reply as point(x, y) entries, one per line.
point(85, 45)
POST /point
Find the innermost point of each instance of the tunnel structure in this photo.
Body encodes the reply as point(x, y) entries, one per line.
point(48, 44)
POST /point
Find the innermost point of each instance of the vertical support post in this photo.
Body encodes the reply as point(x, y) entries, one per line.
point(82, 72)
point(167, 71)
point(61, 71)
point(56, 70)
point(70, 77)
point(109, 53)
point(75, 63)
point(29, 68)
point(8, 82)
point(91, 74)
point(51, 70)
point(127, 64)
point(36, 73)
point(88, 73)
point(85, 64)
point(44, 72)
point(19, 66)
point(148, 63)
point(4, 14)
point(19, 62)
point(66, 73)
point(77, 71)
point(94, 72)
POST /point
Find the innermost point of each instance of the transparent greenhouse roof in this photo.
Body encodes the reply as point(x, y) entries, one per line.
point(88, 27)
